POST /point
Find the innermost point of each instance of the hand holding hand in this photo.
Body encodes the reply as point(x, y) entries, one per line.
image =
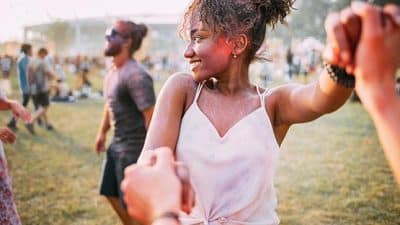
point(365, 39)
point(378, 52)
point(152, 187)
point(181, 171)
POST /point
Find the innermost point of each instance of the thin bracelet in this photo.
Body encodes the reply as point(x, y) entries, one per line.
point(168, 215)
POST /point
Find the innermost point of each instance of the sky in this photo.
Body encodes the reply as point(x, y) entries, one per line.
point(15, 14)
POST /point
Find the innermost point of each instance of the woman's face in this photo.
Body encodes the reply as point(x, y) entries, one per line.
point(208, 54)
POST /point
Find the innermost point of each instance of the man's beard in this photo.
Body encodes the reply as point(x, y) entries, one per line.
point(112, 50)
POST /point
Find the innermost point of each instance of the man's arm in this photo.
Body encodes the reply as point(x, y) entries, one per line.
point(104, 127)
point(50, 73)
point(30, 74)
point(377, 59)
point(147, 114)
point(141, 90)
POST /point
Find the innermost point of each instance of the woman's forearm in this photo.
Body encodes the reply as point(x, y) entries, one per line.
point(329, 94)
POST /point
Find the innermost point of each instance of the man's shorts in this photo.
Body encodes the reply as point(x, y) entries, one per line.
point(118, 158)
point(41, 99)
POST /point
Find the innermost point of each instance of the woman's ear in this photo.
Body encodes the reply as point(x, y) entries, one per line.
point(240, 44)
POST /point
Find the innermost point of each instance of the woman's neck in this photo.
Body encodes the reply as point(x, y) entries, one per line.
point(233, 82)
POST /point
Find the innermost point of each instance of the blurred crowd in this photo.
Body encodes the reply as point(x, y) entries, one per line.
point(78, 67)
point(299, 60)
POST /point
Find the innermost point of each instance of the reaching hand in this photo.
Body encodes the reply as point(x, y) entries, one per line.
point(151, 187)
point(181, 171)
point(7, 136)
point(373, 59)
point(365, 39)
point(19, 111)
point(378, 52)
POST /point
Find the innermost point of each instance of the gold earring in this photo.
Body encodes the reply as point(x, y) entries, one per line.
point(234, 56)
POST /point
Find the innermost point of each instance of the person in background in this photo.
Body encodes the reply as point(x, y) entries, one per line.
point(22, 73)
point(62, 92)
point(40, 73)
point(8, 212)
point(6, 64)
point(289, 61)
point(129, 102)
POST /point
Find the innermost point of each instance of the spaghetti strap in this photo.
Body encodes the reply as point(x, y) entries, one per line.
point(262, 95)
point(198, 90)
point(258, 91)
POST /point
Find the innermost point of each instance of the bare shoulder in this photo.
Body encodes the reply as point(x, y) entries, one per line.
point(283, 92)
point(277, 96)
point(273, 95)
point(181, 81)
point(181, 85)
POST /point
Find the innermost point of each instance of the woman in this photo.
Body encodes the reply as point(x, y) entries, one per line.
point(228, 131)
point(8, 210)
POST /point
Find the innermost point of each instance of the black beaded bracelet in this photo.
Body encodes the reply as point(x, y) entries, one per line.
point(340, 76)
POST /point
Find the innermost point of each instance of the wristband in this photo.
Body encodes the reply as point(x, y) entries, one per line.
point(340, 76)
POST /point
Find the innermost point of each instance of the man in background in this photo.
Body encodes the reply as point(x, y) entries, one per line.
point(129, 102)
point(22, 73)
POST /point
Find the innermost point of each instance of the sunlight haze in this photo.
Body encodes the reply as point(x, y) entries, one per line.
point(15, 14)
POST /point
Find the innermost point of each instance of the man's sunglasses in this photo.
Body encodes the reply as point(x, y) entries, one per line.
point(112, 33)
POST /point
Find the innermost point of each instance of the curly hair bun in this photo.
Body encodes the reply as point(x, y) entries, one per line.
point(275, 10)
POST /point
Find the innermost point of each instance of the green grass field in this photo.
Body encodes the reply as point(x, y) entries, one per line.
point(331, 171)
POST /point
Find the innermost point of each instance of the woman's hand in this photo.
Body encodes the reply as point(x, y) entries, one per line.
point(7, 136)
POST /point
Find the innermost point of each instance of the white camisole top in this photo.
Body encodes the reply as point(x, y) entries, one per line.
point(232, 175)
